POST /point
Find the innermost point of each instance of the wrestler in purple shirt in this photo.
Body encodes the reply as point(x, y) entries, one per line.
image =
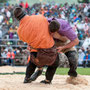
point(65, 29)
point(61, 29)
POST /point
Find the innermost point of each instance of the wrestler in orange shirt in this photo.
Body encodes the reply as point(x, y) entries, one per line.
point(34, 31)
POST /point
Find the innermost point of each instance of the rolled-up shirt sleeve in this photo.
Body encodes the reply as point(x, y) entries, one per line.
point(68, 31)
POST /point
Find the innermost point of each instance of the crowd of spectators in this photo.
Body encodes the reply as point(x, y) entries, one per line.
point(84, 56)
point(14, 56)
point(78, 15)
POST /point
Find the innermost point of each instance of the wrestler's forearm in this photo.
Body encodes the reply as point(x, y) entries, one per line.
point(71, 44)
point(63, 39)
point(60, 37)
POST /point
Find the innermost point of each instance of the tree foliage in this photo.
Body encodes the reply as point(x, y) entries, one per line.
point(3, 1)
point(83, 1)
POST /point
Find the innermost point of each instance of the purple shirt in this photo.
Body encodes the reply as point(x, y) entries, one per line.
point(65, 29)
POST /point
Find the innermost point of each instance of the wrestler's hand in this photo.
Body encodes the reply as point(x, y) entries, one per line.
point(59, 49)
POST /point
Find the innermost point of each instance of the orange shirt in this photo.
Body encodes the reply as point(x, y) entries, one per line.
point(34, 31)
point(11, 55)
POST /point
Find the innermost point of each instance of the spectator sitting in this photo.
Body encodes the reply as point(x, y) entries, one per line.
point(9, 47)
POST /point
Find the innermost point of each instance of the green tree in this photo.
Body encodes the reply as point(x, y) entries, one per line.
point(3, 1)
point(83, 1)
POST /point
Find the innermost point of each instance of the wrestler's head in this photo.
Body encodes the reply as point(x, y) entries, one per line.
point(19, 13)
point(54, 26)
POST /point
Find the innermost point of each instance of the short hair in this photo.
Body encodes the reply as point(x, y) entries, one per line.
point(54, 26)
point(17, 12)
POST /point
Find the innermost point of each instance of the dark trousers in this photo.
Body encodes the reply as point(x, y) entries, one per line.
point(10, 62)
point(50, 70)
point(73, 61)
point(84, 64)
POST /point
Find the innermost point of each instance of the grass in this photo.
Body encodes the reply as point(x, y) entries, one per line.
point(81, 71)
point(60, 71)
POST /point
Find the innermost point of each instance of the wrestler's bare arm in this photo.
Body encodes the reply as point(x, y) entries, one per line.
point(60, 37)
point(69, 45)
point(63, 38)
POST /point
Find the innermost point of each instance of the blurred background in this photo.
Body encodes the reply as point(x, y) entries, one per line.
point(77, 12)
